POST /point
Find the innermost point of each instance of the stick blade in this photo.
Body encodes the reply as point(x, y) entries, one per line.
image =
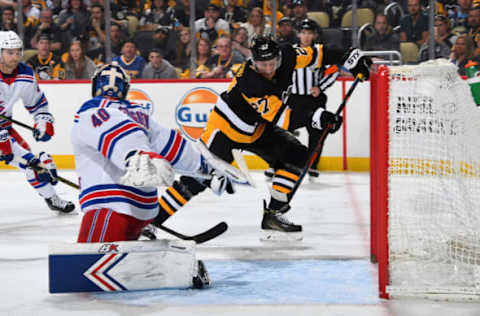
point(213, 232)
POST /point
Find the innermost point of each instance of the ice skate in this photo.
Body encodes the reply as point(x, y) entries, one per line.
point(55, 203)
point(276, 227)
point(202, 279)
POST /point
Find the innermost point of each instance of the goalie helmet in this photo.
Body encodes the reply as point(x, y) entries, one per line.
point(10, 40)
point(110, 81)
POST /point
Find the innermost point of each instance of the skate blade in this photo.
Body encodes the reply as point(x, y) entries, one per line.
point(277, 236)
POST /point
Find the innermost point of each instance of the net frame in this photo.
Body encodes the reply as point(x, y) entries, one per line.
point(432, 85)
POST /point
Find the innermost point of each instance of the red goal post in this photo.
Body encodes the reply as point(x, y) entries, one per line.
point(425, 182)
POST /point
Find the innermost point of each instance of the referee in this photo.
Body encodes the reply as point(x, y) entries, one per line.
point(307, 92)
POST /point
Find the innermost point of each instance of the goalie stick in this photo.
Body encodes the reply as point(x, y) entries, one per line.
point(318, 148)
point(207, 235)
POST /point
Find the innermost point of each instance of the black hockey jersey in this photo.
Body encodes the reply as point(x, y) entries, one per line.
point(253, 100)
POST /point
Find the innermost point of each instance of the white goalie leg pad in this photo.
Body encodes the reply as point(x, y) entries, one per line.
point(121, 266)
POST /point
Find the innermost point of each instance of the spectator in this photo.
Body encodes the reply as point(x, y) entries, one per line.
point(129, 60)
point(73, 20)
point(383, 38)
point(96, 29)
point(211, 26)
point(240, 42)
point(474, 23)
point(78, 65)
point(8, 3)
point(256, 24)
point(233, 13)
point(31, 17)
point(267, 11)
point(48, 27)
point(182, 11)
point(45, 64)
point(159, 14)
point(223, 61)
point(442, 26)
point(299, 13)
point(441, 50)
point(414, 26)
point(184, 49)
point(287, 9)
point(158, 68)
point(458, 15)
point(162, 39)
point(204, 51)
point(117, 37)
point(8, 15)
point(462, 52)
point(286, 32)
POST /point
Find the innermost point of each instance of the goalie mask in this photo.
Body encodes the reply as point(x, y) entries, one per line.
point(264, 49)
point(110, 81)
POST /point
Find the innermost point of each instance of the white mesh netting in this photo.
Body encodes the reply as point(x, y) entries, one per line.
point(434, 182)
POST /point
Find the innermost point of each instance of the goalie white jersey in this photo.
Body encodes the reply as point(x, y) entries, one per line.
point(22, 85)
point(105, 131)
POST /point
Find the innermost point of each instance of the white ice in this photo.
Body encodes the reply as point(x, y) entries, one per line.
point(327, 273)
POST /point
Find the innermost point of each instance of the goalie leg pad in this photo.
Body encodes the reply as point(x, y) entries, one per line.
point(121, 266)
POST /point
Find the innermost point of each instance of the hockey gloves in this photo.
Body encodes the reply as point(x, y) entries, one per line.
point(6, 154)
point(323, 119)
point(219, 183)
point(356, 63)
point(147, 169)
point(43, 167)
point(43, 127)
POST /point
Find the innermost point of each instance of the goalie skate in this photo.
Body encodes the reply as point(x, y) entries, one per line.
point(55, 203)
point(202, 279)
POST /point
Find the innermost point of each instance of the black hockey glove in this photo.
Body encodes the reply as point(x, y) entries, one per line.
point(323, 119)
point(356, 63)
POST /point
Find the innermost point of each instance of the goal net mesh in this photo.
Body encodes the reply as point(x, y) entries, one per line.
point(434, 182)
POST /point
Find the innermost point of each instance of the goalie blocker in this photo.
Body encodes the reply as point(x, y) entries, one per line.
point(123, 266)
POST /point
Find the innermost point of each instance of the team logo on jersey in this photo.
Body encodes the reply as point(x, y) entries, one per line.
point(140, 97)
point(193, 110)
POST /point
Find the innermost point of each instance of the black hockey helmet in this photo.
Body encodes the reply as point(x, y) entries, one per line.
point(264, 48)
point(308, 24)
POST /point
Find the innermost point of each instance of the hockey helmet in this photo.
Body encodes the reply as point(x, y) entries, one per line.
point(10, 40)
point(264, 48)
point(110, 81)
point(308, 24)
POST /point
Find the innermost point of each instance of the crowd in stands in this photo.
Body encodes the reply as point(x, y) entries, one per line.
point(65, 39)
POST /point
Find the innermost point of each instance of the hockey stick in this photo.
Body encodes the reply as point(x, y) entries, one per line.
point(318, 148)
point(207, 235)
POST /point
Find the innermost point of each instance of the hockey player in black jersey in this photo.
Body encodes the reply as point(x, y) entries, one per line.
point(248, 115)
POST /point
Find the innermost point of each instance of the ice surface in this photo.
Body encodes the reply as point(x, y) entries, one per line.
point(327, 273)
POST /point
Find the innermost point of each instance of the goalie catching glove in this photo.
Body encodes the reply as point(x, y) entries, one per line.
point(147, 169)
point(323, 119)
point(357, 63)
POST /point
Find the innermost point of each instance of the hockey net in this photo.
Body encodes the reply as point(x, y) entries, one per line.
point(425, 182)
